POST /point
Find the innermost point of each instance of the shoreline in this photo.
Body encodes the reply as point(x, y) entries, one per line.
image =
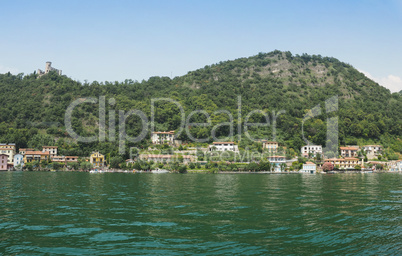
point(207, 172)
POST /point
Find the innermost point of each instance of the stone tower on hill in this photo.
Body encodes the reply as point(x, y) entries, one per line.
point(48, 68)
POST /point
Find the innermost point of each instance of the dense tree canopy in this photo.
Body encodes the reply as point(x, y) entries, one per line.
point(32, 109)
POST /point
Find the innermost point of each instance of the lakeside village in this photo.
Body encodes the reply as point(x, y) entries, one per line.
point(168, 154)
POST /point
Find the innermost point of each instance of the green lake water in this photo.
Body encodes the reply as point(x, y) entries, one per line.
point(67, 213)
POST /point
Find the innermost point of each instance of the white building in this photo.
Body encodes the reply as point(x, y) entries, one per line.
point(51, 149)
point(277, 162)
point(162, 138)
point(167, 158)
point(223, 146)
point(9, 150)
point(309, 167)
point(18, 161)
point(399, 166)
point(372, 151)
point(349, 151)
point(314, 150)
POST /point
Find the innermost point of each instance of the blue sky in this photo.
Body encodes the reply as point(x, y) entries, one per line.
point(117, 40)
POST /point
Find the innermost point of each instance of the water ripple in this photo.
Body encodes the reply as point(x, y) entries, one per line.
point(122, 214)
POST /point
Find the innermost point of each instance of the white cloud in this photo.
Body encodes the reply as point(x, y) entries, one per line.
point(393, 83)
point(4, 69)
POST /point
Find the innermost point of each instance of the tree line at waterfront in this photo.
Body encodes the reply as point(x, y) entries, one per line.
point(32, 109)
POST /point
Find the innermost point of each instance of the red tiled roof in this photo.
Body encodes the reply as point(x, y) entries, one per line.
point(341, 159)
point(165, 156)
point(171, 132)
point(348, 148)
point(36, 153)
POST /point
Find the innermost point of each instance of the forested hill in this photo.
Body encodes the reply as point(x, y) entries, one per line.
point(32, 109)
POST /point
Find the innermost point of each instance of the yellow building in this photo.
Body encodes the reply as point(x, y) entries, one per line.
point(30, 156)
point(344, 163)
point(97, 159)
point(8, 149)
point(270, 146)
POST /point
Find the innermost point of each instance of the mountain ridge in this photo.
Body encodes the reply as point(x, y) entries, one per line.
point(267, 81)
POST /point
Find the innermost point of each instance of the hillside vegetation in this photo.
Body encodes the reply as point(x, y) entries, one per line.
point(32, 109)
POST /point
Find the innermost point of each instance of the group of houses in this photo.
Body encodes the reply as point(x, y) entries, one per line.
point(348, 160)
point(278, 162)
point(350, 156)
point(10, 159)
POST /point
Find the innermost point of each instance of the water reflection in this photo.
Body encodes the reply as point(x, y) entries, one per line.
point(82, 213)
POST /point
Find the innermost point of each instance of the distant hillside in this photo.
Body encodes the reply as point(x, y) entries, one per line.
point(32, 110)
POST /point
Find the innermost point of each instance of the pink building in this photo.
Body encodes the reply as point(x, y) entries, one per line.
point(3, 162)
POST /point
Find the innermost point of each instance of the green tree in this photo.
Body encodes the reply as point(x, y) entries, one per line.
point(283, 167)
point(137, 166)
point(36, 165)
point(182, 168)
point(57, 166)
point(233, 167)
point(74, 165)
point(253, 166)
point(28, 167)
point(180, 159)
point(296, 165)
point(116, 161)
point(39, 140)
point(44, 164)
point(265, 166)
point(86, 166)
